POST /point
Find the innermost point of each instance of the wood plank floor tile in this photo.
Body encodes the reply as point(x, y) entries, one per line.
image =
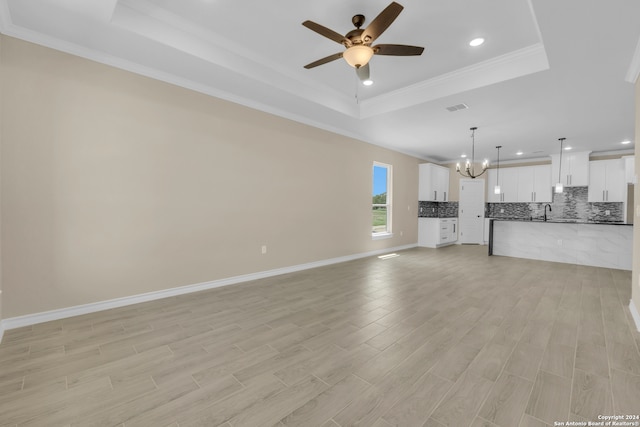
point(491, 360)
point(507, 400)
point(481, 422)
point(549, 399)
point(525, 361)
point(624, 357)
point(421, 400)
point(412, 340)
point(559, 359)
point(529, 421)
point(592, 358)
point(327, 404)
point(591, 395)
point(463, 401)
point(626, 392)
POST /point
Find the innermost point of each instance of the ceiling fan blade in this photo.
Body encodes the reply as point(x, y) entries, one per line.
point(363, 72)
point(381, 22)
point(324, 31)
point(324, 60)
point(397, 50)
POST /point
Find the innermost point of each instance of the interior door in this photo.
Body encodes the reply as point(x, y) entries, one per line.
point(471, 211)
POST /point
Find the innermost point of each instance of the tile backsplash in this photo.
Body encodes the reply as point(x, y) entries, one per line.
point(437, 209)
point(570, 204)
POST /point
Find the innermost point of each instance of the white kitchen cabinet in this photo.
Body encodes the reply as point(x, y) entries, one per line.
point(534, 184)
point(607, 181)
point(574, 171)
point(630, 169)
point(434, 183)
point(508, 181)
point(436, 232)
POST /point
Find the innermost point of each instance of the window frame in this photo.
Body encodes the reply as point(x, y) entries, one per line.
point(389, 202)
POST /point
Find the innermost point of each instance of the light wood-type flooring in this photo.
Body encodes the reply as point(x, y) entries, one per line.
point(432, 337)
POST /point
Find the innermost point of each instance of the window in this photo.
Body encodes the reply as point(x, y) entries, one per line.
point(381, 206)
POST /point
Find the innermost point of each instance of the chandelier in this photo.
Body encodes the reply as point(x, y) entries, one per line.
point(469, 171)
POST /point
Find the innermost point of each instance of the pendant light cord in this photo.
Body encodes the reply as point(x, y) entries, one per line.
point(498, 171)
point(560, 162)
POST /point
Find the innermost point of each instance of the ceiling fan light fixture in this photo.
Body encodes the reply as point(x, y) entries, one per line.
point(358, 55)
point(476, 42)
point(367, 82)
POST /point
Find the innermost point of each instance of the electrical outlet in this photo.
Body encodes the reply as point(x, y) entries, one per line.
point(421, 209)
point(607, 212)
point(433, 209)
point(401, 233)
point(501, 210)
point(264, 249)
point(559, 242)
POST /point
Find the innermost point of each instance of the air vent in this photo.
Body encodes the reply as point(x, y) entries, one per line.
point(457, 107)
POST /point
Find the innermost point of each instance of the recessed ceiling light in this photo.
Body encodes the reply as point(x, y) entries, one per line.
point(568, 148)
point(476, 42)
point(625, 142)
point(519, 153)
point(367, 82)
point(463, 156)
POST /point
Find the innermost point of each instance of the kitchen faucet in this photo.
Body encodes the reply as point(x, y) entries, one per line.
point(545, 210)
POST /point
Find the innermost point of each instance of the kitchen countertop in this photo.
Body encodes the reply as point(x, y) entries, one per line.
point(561, 221)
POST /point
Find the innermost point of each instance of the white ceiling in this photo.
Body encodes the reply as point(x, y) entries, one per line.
point(548, 68)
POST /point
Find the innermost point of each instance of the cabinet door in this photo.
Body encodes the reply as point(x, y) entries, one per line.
point(424, 185)
point(454, 230)
point(616, 185)
point(630, 169)
point(542, 184)
point(525, 184)
point(579, 169)
point(574, 171)
point(428, 232)
point(597, 181)
point(509, 184)
point(442, 186)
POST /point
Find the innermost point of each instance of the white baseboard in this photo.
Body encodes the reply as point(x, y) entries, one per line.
point(635, 314)
point(63, 313)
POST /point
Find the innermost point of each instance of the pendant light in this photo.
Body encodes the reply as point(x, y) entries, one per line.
point(496, 189)
point(559, 186)
point(469, 171)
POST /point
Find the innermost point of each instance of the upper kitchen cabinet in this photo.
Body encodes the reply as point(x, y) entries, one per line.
point(534, 184)
point(434, 183)
point(507, 178)
point(630, 169)
point(607, 181)
point(574, 171)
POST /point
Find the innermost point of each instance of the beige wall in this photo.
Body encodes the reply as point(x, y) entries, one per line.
point(114, 185)
point(635, 277)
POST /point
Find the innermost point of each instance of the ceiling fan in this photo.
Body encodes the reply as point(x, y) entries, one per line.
point(358, 42)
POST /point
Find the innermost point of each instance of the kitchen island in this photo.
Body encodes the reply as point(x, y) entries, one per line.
point(598, 244)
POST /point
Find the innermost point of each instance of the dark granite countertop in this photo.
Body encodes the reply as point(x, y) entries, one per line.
point(561, 221)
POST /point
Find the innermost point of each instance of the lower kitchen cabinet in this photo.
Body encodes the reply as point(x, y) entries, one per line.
point(436, 232)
